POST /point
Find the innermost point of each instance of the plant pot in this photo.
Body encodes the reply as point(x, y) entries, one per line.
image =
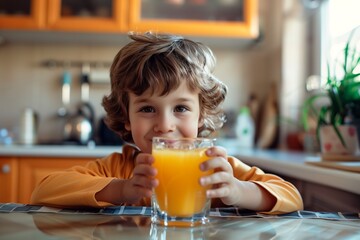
point(330, 143)
point(356, 123)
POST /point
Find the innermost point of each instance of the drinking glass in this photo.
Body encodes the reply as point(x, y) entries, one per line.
point(180, 200)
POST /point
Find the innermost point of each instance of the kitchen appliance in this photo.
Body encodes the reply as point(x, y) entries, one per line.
point(79, 127)
point(28, 127)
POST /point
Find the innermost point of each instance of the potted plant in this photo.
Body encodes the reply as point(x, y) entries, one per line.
point(342, 91)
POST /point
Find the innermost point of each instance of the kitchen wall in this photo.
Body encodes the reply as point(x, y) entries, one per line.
point(245, 67)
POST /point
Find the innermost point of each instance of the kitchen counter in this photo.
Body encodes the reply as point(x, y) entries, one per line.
point(294, 164)
point(291, 164)
point(40, 222)
point(58, 150)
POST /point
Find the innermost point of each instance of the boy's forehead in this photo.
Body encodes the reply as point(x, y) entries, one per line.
point(182, 89)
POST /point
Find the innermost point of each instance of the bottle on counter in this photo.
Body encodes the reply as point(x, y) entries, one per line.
point(245, 128)
point(29, 122)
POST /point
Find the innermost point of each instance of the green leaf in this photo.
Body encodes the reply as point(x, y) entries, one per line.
point(309, 107)
point(351, 92)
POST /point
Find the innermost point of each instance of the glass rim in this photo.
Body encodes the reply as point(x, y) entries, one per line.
point(185, 138)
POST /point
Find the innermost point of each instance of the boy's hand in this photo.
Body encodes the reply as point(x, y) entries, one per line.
point(230, 190)
point(223, 181)
point(132, 190)
point(142, 181)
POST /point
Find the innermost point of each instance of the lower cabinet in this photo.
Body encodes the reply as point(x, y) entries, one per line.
point(20, 175)
point(8, 179)
point(318, 197)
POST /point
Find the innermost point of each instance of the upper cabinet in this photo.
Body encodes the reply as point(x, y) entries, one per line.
point(87, 15)
point(221, 18)
point(64, 15)
point(218, 18)
point(22, 14)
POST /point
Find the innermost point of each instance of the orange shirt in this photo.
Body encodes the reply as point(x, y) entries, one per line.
point(77, 186)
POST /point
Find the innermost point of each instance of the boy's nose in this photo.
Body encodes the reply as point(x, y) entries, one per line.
point(164, 124)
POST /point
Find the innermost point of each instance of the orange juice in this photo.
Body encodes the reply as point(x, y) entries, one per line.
point(179, 192)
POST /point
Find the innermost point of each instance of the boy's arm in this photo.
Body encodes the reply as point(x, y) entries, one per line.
point(137, 187)
point(237, 184)
point(69, 189)
point(113, 190)
point(266, 191)
point(78, 185)
point(255, 197)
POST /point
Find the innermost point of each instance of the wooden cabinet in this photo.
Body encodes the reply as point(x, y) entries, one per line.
point(20, 175)
point(67, 15)
point(204, 18)
point(26, 14)
point(318, 197)
point(8, 179)
point(95, 16)
point(223, 18)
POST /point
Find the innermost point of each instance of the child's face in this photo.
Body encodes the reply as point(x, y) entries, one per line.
point(174, 115)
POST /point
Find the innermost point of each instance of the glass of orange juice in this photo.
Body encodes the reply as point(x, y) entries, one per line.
point(179, 199)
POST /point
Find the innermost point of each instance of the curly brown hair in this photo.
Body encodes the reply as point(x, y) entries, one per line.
point(160, 62)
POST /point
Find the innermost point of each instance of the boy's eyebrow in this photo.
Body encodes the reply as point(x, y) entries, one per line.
point(145, 100)
point(185, 100)
point(140, 100)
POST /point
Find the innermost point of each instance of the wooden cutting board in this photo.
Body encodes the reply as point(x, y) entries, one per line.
point(340, 157)
point(352, 166)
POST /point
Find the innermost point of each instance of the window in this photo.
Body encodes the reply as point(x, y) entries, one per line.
point(339, 18)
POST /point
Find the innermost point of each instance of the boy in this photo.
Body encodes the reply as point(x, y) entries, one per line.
point(162, 85)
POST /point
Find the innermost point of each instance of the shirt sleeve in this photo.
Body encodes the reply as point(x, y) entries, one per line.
point(288, 198)
point(78, 185)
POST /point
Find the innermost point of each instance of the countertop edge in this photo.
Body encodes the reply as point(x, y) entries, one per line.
point(59, 151)
point(339, 179)
point(292, 164)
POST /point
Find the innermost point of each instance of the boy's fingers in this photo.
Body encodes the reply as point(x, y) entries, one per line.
point(218, 193)
point(143, 169)
point(216, 178)
point(144, 182)
point(216, 152)
point(144, 158)
point(217, 163)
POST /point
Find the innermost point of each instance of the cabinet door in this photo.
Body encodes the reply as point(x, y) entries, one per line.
point(8, 179)
point(33, 170)
point(88, 16)
point(22, 14)
point(221, 18)
point(318, 197)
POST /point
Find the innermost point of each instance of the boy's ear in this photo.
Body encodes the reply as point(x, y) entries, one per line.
point(128, 126)
point(201, 122)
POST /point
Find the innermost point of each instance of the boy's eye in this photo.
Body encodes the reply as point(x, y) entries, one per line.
point(181, 108)
point(147, 109)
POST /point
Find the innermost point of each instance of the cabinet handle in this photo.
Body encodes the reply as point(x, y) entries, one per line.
point(5, 168)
